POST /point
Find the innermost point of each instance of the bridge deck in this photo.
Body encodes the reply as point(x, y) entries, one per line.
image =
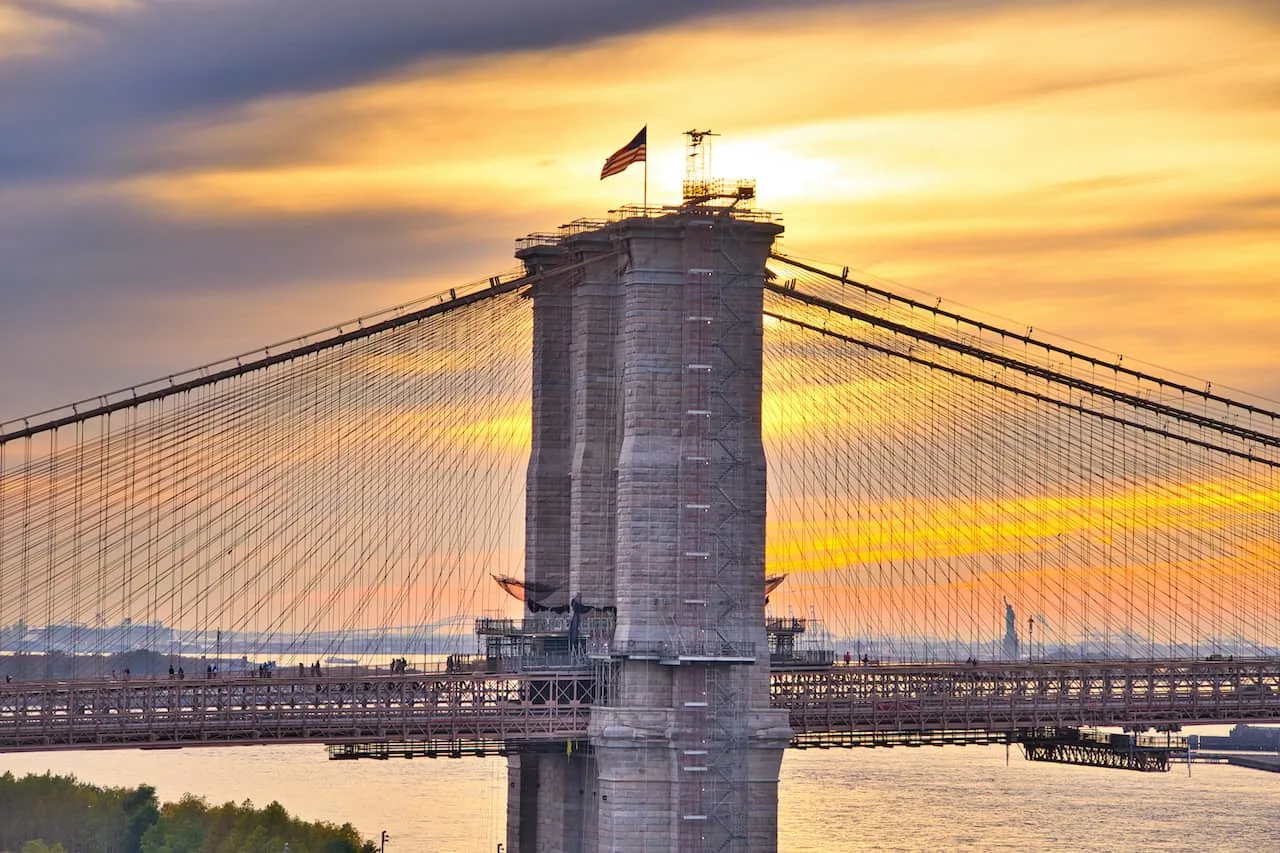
point(456, 713)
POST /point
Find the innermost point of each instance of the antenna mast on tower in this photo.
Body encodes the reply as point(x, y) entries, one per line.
point(699, 187)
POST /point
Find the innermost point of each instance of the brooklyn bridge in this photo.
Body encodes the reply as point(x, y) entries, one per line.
point(640, 515)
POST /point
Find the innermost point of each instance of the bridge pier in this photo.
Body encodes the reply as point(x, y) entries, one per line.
point(648, 475)
point(644, 757)
point(551, 802)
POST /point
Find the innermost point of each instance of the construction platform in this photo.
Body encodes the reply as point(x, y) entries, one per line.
point(1091, 748)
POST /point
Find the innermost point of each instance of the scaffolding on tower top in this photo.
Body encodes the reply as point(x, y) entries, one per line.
point(700, 188)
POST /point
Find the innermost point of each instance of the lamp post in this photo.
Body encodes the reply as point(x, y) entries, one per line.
point(385, 839)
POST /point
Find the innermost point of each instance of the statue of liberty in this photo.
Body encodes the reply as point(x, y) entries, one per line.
point(1010, 632)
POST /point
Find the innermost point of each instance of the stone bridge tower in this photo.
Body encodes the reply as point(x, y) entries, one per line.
point(646, 502)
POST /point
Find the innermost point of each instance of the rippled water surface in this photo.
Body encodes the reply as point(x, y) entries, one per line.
point(929, 799)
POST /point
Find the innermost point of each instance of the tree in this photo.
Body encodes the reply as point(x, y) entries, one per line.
point(54, 814)
point(38, 846)
point(141, 810)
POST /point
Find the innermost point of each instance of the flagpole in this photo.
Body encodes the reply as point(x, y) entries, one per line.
point(646, 184)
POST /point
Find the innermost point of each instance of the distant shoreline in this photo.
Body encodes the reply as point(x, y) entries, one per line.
point(1268, 762)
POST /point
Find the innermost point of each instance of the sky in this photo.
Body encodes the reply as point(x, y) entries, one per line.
point(182, 181)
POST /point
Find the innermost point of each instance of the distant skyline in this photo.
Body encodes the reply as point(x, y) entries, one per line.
point(180, 181)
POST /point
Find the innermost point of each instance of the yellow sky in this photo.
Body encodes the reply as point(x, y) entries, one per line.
point(1099, 170)
point(1104, 171)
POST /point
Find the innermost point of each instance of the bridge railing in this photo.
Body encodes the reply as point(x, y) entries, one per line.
point(839, 706)
point(684, 648)
point(632, 211)
point(443, 709)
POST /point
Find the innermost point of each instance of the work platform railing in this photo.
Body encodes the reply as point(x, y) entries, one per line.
point(446, 709)
point(963, 703)
point(462, 713)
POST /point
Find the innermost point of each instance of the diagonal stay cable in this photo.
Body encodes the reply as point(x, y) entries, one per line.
point(1048, 375)
point(1014, 336)
point(1003, 386)
point(96, 407)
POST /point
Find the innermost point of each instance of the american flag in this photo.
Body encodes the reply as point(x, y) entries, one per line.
point(632, 152)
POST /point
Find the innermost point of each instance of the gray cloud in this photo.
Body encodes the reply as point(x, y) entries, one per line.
point(64, 13)
point(76, 249)
point(82, 281)
point(87, 284)
point(111, 77)
point(97, 294)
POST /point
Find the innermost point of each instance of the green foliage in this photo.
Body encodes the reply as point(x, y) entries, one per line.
point(59, 811)
point(183, 829)
point(141, 811)
point(38, 846)
point(54, 814)
point(193, 826)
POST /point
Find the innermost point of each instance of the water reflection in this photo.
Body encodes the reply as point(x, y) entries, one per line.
point(908, 800)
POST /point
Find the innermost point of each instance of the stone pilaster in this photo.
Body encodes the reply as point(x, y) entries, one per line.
point(547, 482)
point(597, 401)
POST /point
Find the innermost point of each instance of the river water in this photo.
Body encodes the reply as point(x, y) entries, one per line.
point(911, 800)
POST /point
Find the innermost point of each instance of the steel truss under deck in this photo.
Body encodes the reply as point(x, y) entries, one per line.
point(465, 713)
point(448, 710)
